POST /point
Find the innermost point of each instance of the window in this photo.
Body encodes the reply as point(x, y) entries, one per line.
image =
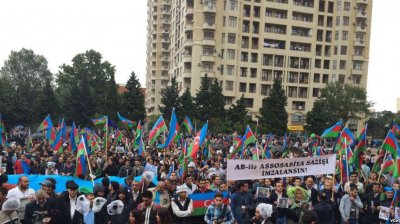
point(228, 101)
point(358, 51)
point(249, 102)
point(342, 64)
point(343, 50)
point(232, 21)
point(231, 38)
point(265, 89)
point(223, 38)
point(254, 57)
point(316, 77)
point(315, 92)
point(207, 50)
point(229, 85)
point(224, 21)
point(244, 56)
point(337, 20)
point(356, 79)
point(336, 35)
point(357, 65)
point(209, 35)
point(233, 5)
point(253, 72)
point(346, 20)
point(230, 69)
point(341, 79)
point(345, 35)
point(325, 78)
point(346, 6)
point(231, 53)
point(243, 72)
point(242, 87)
point(252, 88)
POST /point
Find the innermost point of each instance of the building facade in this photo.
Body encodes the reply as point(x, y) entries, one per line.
point(247, 44)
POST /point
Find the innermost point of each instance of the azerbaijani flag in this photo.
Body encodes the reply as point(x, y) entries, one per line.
point(256, 153)
point(73, 136)
point(171, 169)
point(332, 132)
point(46, 124)
point(51, 135)
point(349, 154)
point(360, 148)
point(202, 201)
point(90, 133)
point(117, 136)
point(388, 165)
point(188, 124)
point(157, 129)
point(200, 136)
point(173, 130)
point(127, 122)
point(377, 165)
point(267, 152)
point(247, 139)
point(390, 144)
point(58, 143)
point(396, 130)
point(81, 159)
point(100, 121)
point(238, 149)
point(343, 169)
point(138, 135)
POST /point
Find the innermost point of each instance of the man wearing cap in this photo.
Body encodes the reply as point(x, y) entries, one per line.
point(67, 203)
point(350, 205)
point(389, 193)
point(182, 206)
point(49, 188)
point(39, 209)
point(263, 213)
point(192, 171)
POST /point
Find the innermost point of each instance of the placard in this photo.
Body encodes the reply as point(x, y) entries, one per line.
point(384, 213)
point(274, 168)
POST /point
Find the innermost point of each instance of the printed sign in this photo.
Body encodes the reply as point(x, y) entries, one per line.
point(274, 168)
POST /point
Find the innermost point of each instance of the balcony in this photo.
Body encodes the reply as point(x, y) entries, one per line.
point(189, 11)
point(358, 58)
point(187, 58)
point(357, 72)
point(209, 42)
point(210, 8)
point(359, 43)
point(189, 27)
point(187, 73)
point(361, 29)
point(361, 14)
point(210, 58)
point(209, 26)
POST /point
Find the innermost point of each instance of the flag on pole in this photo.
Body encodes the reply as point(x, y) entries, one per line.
point(188, 124)
point(46, 124)
point(81, 159)
point(388, 165)
point(360, 149)
point(332, 132)
point(100, 121)
point(173, 130)
point(390, 144)
point(200, 136)
point(158, 128)
point(73, 138)
point(248, 138)
point(138, 134)
point(127, 122)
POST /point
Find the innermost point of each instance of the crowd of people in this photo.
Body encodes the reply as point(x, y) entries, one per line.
point(165, 197)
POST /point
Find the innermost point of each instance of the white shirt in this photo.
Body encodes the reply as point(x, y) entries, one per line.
point(72, 202)
point(180, 213)
point(148, 212)
point(17, 193)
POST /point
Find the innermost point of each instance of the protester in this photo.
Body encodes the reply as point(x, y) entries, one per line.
point(148, 209)
point(41, 209)
point(8, 213)
point(218, 212)
point(182, 206)
point(67, 203)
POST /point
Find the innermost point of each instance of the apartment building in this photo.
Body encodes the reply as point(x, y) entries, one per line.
point(246, 44)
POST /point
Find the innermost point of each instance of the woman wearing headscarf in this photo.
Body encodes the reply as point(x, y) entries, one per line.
point(263, 214)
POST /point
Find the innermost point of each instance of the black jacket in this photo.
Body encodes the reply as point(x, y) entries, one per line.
point(325, 212)
point(124, 216)
point(34, 212)
point(64, 213)
point(313, 196)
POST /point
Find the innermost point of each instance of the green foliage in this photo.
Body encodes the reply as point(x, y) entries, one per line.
point(133, 100)
point(91, 80)
point(203, 99)
point(237, 115)
point(186, 106)
point(169, 99)
point(26, 74)
point(217, 102)
point(338, 101)
point(47, 101)
point(274, 117)
point(378, 121)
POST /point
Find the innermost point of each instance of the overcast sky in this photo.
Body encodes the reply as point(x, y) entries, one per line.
point(60, 29)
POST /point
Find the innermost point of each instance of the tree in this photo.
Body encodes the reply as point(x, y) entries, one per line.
point(338, 102)
point(186, 105)
point(7, 101)
point(217, 102)
point(47, 102)
point(274, 117)
point(169, 97)
point(237, 115)
point(318, 119)
point(90, 82)
point(133, 100)
point(27, 74)
point(379, 122)
point(203, 99)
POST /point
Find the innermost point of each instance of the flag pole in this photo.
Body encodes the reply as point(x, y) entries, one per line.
point(384, 158)
point(347, 161)
point(106, 136)
point(88, 161)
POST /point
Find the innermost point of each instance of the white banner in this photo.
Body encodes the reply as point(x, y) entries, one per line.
point(273, 168)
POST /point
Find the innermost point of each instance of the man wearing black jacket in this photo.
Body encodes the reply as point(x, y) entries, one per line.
point(324, 209)
point(66, 204)
point(40, 209)
point(309, 186)
point(371, 202)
